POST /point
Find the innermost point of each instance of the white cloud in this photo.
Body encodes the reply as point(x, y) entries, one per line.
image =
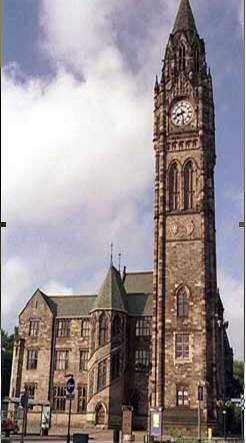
point(56, 288)
point(232, 294)
point(77, 154)
point(15, 288)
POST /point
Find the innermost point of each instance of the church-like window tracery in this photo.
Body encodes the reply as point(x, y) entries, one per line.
point(188, 186)
point(173, 188)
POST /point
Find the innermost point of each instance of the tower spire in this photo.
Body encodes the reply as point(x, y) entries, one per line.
point(185, 20)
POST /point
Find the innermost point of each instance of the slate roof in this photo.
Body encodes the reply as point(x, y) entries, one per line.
point(139, 282)
point(112, 294)
point(73, 305)
point(134, 297)
point(185, 19)
point(139, 304)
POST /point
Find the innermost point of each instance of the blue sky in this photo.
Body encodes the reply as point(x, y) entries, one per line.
point(77, 142)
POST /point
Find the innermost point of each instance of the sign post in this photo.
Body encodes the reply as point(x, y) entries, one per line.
point(156, 423)
point(200, 398)
point(70, 395)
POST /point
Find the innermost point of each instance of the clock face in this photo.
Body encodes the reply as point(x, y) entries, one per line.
point(182, 113)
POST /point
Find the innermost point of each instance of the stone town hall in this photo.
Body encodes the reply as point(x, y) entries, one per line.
point(146, 339)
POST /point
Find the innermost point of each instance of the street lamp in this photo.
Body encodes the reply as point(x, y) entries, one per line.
point(224, 422)
point(222, 325)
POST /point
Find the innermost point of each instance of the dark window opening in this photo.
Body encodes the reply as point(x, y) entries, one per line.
point(143, 327)
point(102, 372)
point(83, 362)
point(173, 188)
point(32, 359)
point(182, 304)
point(85, 328)
point(82, 398)
point(63, 328)
point(103, 330)
point(142, 360)
point(188, 186)
point(59, 398)
point(61, 360)
point(33, 328)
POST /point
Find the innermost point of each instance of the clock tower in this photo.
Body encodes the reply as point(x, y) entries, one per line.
point(185, 283)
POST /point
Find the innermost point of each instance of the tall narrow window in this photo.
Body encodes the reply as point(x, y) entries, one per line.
point(93, 335)
point(32, 359)
point(59, 398)
point(103, 330)
point(182, 346)
point(83, 363)
point(182, 303)
point(85, 328)
point(63, 328)
point(82, 398)
point(33, 328)
point(188, 186)
point(61, 360)
point(173, 188)
point(91, 384)
point(30, 388)
point(182, 61)
point(102, 371)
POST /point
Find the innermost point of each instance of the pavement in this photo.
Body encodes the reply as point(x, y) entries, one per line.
point(99, 436)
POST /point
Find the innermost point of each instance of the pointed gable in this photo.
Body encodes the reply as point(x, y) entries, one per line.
point(112, 294)
point(185, 19)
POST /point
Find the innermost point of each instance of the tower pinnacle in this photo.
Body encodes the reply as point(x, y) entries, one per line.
point(185, 20)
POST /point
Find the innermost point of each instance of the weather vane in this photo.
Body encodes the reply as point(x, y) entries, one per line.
point(119, 255)
point(111, 253)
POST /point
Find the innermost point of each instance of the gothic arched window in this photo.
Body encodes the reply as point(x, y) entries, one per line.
point(173, 188)
point(188, 186)
point(182, 61)
point(182, 303)
point(103, 330)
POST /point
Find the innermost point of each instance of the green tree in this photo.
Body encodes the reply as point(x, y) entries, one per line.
point(7, 345)
point(238, 372)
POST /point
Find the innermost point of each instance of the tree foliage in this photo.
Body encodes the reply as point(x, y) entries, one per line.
point(7, 345)
point(238, 372)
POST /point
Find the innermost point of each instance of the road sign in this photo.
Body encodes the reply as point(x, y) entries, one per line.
point(156, 423)
point(70, 386)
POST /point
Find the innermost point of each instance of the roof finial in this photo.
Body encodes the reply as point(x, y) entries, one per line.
point(111, 253)
point(119, 255)
point(156, 85)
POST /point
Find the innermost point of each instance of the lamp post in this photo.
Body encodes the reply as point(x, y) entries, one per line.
point(224, 422)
